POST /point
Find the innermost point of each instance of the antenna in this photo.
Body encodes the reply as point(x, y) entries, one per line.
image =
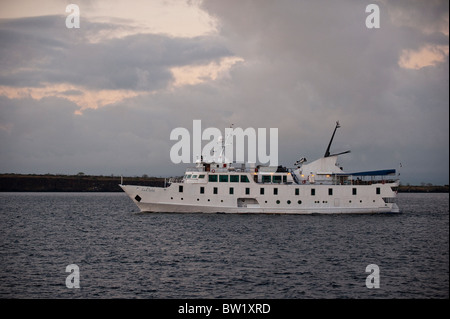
point(327, 153)
point(223, 142)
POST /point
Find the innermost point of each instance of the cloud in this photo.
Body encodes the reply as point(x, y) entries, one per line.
point(51, 53)
point(40, 57)
point(294, 65)
point(427, 17)
point(428, 55)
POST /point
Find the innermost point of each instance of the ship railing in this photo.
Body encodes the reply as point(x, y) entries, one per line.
point(366, 180)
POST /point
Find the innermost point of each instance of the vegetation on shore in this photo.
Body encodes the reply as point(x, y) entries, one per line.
point(88, 183)
point(71, 183)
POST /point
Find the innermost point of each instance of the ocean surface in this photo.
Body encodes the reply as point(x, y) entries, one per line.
point(121, 253)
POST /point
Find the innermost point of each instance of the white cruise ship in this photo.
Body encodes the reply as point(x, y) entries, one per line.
point(319, 187)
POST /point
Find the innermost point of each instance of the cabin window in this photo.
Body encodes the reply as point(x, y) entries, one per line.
point(244, 179)
point(297, 191)
point(275, 191)
point(313, 192)
point(276, 179)
point(288, 202)
point(247, 191)
point(234, 178)
point(284, 179)
point(266, 178)
point(223, 178)
point(201, 176)
point(261, 191)
point(212, 178)
point(330, 191)
point(180, 188)
point(215, 190)
point(354, 191)
point(202, 190)
point(378, 191)
point(231, 190)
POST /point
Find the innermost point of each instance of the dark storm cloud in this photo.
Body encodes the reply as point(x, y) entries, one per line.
point(310, 63)
point(41, 49)
point(307, 64)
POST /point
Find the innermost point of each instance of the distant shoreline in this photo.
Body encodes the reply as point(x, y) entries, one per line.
point(90, 183)
point(71, 183)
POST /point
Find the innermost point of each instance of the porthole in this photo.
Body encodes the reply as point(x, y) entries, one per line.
point(278, 201)
point(299, 202)
point(288, 201)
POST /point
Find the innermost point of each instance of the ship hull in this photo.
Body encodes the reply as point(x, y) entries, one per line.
point(168, 200)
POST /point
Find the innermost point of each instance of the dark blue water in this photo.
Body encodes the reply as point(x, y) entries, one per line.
point(124, 254)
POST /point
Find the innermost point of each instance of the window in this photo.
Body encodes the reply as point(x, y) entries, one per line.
point(201, 176)
point(330, 191)
point(244, 179)
point(261, 191)
point(212, 178)
point(278, 201)
point(378, 191)
point(231, 190)
point(313, 192)
point(276, 179)
point(234, 178)
point(180, 188)
point(275, 191)
point(288, 202)
point(354, 191)
point(297, 191)
point(299, 202)
point(284, 179)
point(202, 190)
point(266, 178)
point(247, 191)
point(215, 190)
point(223, 178)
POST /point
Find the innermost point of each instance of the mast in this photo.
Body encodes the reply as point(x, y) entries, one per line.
point(327, 153)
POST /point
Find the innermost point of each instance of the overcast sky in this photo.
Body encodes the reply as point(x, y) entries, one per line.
point(103, 98)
